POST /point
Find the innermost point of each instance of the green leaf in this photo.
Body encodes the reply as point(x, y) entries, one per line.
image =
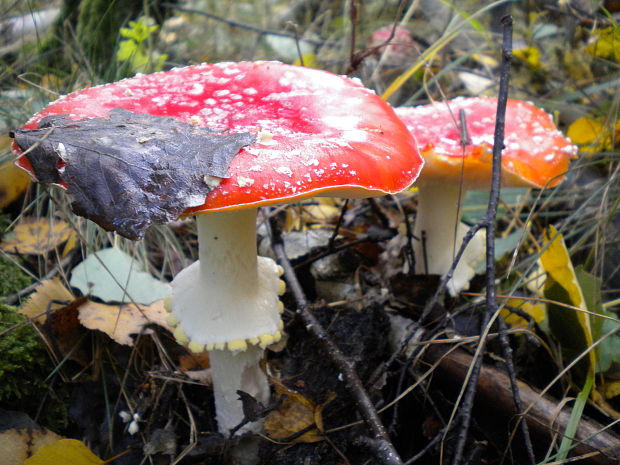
point(113, 276)
point(476, 202)
point(503, 246)
point(607, 351)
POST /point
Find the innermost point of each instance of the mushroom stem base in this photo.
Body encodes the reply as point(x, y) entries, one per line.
point(237, 371)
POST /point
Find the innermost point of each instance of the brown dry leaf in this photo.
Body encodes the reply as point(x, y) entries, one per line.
point(51, 290)
point(294, 414)
point(192, 361)
point(37, 236)
point(55, 309)
point(13, 182)
point(18, 442)
point(120, 321)
point(67, 334)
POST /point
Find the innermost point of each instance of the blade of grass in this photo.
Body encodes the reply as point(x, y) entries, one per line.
point(575, 418)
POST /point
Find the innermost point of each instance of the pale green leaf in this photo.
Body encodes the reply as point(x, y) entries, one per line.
point(113, 276)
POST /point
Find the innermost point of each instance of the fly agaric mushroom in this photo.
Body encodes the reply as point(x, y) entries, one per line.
point(535, 154)
point(316, 134)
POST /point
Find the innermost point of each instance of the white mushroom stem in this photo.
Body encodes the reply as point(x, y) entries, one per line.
point(439, 207)
point(232, 371)
point(228, 303)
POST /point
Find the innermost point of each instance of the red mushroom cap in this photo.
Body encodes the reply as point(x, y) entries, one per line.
point(536, 154)
point(317, 131)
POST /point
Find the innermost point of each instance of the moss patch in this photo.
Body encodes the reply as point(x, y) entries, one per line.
point(24, 368)
point(12, 279)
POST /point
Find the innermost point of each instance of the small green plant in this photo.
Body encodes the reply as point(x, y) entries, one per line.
point(136, 50)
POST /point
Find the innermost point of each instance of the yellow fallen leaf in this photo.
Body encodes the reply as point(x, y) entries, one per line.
point(536, 311)
point(572, 327)
point(309, 215)
point(607, 43)
point(37, 236)
point(309, 60)
point(584, 130)
point(120, 321)
point(50, 290)
point(528, 55)
point(13, 182)
point(590, 134)
point(556, 262)
point(295, 413)
point(64, 452)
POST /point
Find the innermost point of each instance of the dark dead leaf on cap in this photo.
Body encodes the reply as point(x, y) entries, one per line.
point(130, 170)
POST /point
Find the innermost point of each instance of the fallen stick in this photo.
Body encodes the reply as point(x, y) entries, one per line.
point(542, 413)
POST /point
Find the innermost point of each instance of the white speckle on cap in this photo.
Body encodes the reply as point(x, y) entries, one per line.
point(230, 71)
point(250, 91)
point(514, 146)
point(311, 162)
point(210, 101)
point(161, 100)
point(284, 170)
point(356, 135)
point(196, 89)
point(571, 150)
point(549, 157)
point(287, 95)
point(342, 122)
point(244, 182)
point(448, 141)
point(256, 168)
point(221, 92)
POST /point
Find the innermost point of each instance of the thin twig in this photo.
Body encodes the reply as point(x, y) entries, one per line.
point(488, 222)
point(382, 445)
point(514, 388)
point(343, 210)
